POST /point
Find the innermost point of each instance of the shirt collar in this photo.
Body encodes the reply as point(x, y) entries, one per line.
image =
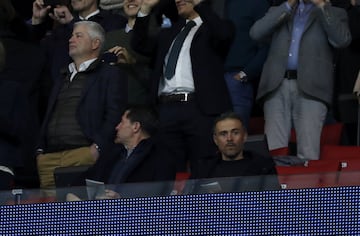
point(127, 28)
point(198, 21)
point(83, 66)
point(90, 15)
point(305, 3)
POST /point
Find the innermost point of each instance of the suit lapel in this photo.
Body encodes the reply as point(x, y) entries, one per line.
point(311, 19)
point(90, 78)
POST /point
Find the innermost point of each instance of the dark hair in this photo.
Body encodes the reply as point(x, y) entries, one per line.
point(228, 115)
point(146, 116)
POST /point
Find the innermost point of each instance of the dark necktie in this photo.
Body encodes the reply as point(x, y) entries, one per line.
point(175, 50)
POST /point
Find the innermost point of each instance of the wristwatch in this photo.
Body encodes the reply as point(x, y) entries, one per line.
point(97, 147)
point(243, 76)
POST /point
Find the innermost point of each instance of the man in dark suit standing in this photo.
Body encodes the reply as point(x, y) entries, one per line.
point(84, 107)
point(189, 88)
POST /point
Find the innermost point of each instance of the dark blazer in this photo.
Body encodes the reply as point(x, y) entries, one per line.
point(103, 100)
point(151, 163)
point(208, 51)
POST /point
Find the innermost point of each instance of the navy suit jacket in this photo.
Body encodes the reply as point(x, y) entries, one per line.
point(208, 51)
point(103, 100)
point(152, 163)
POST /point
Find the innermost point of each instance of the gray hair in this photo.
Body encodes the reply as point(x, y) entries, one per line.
point(95, 30)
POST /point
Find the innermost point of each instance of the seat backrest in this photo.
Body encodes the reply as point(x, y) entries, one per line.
point(256, 125)
point(350, 165)
point(180, 182)
point(350, 172)
point(337, 152)
point(315, 175)
point(257, 144)
point(65, 176)
point(325, 165)
point(330, 134)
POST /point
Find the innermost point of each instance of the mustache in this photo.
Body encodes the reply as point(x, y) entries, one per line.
point(187, 1)
point(230, 144)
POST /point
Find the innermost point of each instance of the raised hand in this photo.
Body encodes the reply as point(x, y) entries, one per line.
point(123, 55)
point(148, 5)
point(40, 11)
point(196, 2)
point(319, 3)
point(62, 15)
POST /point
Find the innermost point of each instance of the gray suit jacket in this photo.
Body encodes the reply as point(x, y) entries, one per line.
point(325, 30)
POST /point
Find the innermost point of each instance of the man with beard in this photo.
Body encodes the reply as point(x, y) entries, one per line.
point(232, 160)
point(257, 172)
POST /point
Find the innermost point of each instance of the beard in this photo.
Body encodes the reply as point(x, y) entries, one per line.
point(231, 156)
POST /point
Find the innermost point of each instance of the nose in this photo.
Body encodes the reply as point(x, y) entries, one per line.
point(71, 39)
point(229, 136)
point(118, 127)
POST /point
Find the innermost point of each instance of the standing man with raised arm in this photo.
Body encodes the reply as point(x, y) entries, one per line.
point(297, 80)
point(188, 75)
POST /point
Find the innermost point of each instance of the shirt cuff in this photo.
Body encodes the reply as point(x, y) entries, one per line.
point(140, 14)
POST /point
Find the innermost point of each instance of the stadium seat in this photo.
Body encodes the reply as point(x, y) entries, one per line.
point(350, 172)
point(330, 134)
point(256, 125)
point(338, 152)
point(180, 181)
point(315, 175)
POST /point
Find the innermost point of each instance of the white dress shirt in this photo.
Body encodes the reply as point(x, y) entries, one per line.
point(183, 80)
point(83, 66)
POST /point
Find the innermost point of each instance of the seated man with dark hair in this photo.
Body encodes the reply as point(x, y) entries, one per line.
point(233, 161)
point(136, 157)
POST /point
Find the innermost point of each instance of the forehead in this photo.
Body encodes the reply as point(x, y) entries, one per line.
point(228, 124)
point(80, 28)
point(84, 1)
point(125, 115)
point(133, 1)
